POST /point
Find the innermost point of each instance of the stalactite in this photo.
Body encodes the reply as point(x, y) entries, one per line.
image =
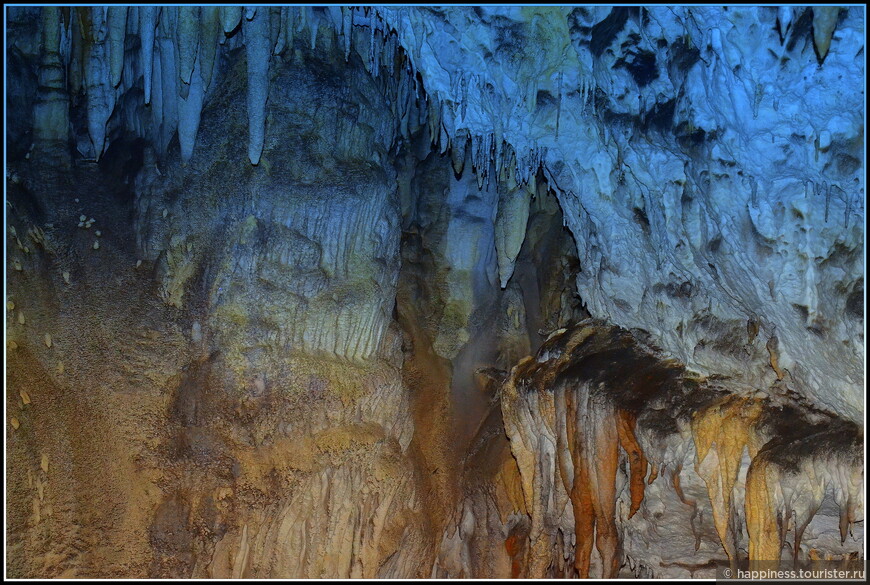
point(588, 416)
point(78, 52)
point(570, 433)
point(765, 538)
point(586, 427)
point(66, 37)
point(100, 94)
point(148, 16)
point(313, 26)
point(390, 53)
point(510, 227)
point(558, 103)
point(773, 350)
point(793, 475)
point(259, 51)
point(189, 111)
point(208, 43)
point(231, 16)
point(377, 50)
point(186, 45)
point(169, 79)
point(595, 457)
point(458, 154)
point(50, 111)
point(721, 434)
point(521, 423)
point(116, 21)
point(626, 422)
point(824, 23)
point(281, 41)
point(784, 18)
point(675, 482)
point(347, 29)
point(275, 28)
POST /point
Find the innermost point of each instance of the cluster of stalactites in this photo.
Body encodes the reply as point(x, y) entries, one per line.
point(170, 55)
point(569, 424)
point(106, 50)
point(566, 436)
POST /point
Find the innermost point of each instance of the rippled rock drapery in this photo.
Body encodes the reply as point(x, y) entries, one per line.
point(293, 291)
point(595, 415)
point(308, 244)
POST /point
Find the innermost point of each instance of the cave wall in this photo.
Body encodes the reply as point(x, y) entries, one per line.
point(263, 425)
point(707, 161)
point(295, 291)
point(282, 429)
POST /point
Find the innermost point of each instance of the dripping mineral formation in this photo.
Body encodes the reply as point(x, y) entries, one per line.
point(433, 292)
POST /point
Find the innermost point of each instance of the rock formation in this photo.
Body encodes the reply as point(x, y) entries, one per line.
point(333, 292)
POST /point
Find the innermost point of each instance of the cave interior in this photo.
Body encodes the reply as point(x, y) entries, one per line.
point(433, 292)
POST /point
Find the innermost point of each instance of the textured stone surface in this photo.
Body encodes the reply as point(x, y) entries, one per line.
point(230, 349)
point(301, 287)
point(743, 201)
point(595, 409)
point(303, 252)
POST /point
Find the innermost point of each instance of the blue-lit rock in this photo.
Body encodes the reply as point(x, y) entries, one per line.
point(333, 237)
